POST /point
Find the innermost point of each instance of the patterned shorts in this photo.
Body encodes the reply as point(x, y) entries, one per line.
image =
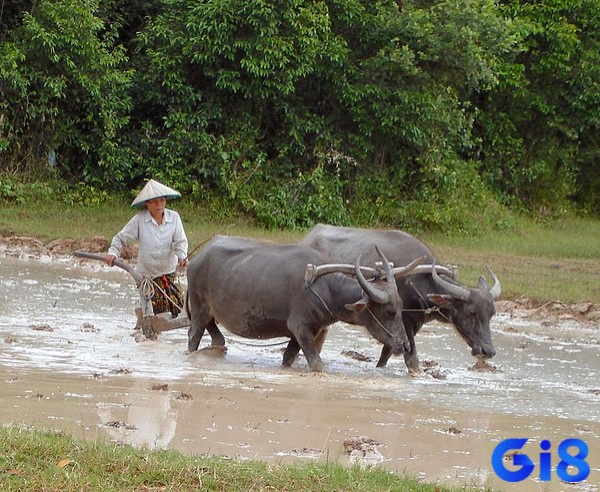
point(168, 295)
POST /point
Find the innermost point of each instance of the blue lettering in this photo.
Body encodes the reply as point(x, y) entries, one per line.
point(545, 462)
point(577, 461)
point(521, 460)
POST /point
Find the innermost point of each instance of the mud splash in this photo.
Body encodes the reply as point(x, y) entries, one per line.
point(69, 363)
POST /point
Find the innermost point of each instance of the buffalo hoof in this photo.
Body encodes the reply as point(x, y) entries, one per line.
point(288, 359)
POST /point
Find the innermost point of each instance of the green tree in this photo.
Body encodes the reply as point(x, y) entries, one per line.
point(63, 93)
point(539, 126)
point(220, 100)
point(403, 102)
point(414, 113)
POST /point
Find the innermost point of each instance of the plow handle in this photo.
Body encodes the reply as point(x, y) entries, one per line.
point(118, 262)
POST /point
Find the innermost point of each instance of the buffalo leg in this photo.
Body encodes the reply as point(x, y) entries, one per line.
point(320, 338)
point(306, 340)
point(218, 340)
point(291, 352)
point(386, 353)
point(411, 359)
point(313, 358)
point(195, 334)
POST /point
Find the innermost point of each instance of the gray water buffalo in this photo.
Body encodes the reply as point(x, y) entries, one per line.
point(257, 289)
point(426, 296)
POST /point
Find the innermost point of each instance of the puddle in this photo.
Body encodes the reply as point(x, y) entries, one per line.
point(68, 362)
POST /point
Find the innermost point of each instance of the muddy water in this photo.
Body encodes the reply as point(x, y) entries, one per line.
point(68, 362)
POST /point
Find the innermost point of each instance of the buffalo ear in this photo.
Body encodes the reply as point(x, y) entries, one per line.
point(357, 307)
point(442, 300)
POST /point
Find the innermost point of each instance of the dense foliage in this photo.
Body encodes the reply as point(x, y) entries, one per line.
point(415, 113)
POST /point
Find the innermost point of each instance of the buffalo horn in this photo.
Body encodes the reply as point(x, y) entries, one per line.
point(455, 290)
point(426, 269)
point(496, 289)
point(379, 296)
point(413, 268)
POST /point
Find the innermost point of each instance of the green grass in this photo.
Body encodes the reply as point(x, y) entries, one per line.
point(39, 461)
point(557, 260)
point(554, 261)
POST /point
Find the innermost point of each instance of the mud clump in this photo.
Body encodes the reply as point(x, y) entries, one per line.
point(159, 387)
point(357, 356)
point(117, 424)
point(523, 307)
point(483, 366)
point(42, 327)
point(361, 447)
point(98, 244)
point(59, 248)
point(433, 369)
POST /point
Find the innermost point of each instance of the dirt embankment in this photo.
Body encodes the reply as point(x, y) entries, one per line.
point(25, 247)
point(31, 248)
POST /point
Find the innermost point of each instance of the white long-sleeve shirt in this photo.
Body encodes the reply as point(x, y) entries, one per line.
point(160, 246)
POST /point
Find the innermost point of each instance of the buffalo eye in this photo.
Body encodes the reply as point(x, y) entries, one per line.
point(392, 313)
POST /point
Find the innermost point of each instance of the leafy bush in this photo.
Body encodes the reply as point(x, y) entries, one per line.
point(299, 201)
point(18, 190)
point(83, 194)
point(64, 91)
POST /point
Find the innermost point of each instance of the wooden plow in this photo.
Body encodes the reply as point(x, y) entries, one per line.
point(150, 324)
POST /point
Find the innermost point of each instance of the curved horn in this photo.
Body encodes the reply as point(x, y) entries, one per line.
point(379, 296)
point(414, 267)
point(455, 290)
point(389, 274)
point(496, 289)
point(427, 269)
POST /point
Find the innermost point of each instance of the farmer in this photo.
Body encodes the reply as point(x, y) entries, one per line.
point(163, 245)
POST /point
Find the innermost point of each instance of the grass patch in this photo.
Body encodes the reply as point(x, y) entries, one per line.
point(544, 262)
point(33, 460)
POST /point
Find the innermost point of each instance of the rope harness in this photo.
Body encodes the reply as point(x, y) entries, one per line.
point(148, 288)
point(332, 315)
point(408, 281)
point(321, 299)
point(428, 310)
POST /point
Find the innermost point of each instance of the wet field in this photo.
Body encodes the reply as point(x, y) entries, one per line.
point(68, 362)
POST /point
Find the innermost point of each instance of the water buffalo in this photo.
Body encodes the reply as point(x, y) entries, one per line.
point(427, 296)
point(257, 289)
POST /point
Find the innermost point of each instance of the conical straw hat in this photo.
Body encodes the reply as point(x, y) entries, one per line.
point(154, 189)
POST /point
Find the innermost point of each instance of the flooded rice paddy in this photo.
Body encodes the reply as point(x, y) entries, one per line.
point(68, 362)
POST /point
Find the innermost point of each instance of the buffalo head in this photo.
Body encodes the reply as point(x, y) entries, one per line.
point(469, 310)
